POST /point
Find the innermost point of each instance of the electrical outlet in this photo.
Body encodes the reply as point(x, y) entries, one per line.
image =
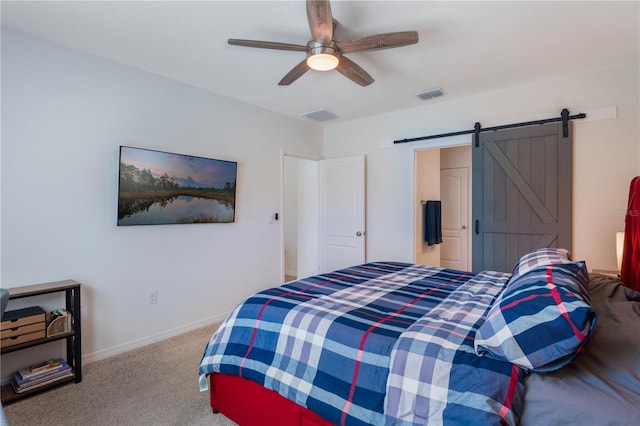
point(152, 297)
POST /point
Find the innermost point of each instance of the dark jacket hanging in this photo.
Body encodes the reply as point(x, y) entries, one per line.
point(431, 214)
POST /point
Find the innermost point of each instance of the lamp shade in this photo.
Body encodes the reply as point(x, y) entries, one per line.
point(322, 62)
point(619, 248)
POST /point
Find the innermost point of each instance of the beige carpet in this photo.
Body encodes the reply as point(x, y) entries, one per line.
point(154, 385)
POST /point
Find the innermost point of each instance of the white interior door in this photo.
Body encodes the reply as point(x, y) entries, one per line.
point(342, 215)
point(454, 193)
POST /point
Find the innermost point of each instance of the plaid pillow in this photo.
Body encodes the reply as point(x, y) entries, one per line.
point(542, 319)
point(540, 257)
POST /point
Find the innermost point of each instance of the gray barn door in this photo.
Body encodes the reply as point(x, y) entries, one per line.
point(522, 194)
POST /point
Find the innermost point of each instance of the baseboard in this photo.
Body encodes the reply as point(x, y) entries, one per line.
point(135, 344)
point(291, 273)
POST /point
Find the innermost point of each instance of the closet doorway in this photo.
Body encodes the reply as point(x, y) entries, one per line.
point(299, 216)
point(444, 174)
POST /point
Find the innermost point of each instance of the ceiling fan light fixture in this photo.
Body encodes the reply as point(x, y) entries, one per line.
point(322, 61)
point(322, 56)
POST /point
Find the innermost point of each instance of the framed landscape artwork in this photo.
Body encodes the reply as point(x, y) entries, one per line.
point(159, 188)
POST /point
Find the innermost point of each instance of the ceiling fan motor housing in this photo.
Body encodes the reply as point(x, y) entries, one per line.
point(318, 47)
point(322, 56)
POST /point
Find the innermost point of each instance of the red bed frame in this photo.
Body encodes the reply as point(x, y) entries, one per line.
point(248, 404)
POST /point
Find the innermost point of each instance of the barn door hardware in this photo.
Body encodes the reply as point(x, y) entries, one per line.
point(564, 118)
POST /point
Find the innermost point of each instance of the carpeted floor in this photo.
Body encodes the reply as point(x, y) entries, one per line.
point(154, 385)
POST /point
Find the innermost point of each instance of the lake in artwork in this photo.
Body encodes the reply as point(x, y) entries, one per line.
point(158, 188)
point(181, 209)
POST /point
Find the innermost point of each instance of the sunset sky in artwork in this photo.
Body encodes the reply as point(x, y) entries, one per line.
point(197, 171)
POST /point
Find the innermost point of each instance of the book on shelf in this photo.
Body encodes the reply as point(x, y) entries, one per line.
point(43, 368)
point(19, 381)
point(39, 381)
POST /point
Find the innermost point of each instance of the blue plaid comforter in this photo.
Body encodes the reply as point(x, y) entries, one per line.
point(384, 343)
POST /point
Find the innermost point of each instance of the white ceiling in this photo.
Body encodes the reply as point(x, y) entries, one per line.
point(465, 47)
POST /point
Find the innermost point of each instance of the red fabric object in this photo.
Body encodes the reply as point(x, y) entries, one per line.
point(249, 404)
point(630, 270)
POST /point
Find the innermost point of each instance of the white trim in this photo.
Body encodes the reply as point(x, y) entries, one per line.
point(599, 114)
point(442, 142)
point(301, 155)
point(289, 273)
point(139, 343)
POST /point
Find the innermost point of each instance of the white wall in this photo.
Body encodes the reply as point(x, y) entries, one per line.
point(64, 115)
point(606, 154)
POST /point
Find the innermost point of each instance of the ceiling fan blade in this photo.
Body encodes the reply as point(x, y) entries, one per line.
point(354, 72)
point(379, 41)
point(295, 73)
point(267, 45)
point(320, 20)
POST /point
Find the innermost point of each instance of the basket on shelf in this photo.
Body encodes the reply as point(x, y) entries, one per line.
point(59, 322)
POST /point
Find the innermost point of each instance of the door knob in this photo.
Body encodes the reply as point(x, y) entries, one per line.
point(358, 234)
point(464, 226)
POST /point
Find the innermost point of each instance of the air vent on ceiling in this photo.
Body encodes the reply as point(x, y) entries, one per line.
point(320, 115)
point(430, 94)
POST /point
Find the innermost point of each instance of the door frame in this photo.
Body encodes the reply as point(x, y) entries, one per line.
point(302, 156)
point(440, 143)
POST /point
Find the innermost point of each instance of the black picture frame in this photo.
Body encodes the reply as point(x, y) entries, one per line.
point(161, 188)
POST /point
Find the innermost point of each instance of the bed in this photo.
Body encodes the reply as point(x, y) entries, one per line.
point(290, 355)
point(391, 343)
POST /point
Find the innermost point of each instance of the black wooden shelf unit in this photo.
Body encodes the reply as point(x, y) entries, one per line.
point(73, 337)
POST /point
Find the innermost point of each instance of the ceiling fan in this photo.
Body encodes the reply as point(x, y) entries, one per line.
point(324, 53)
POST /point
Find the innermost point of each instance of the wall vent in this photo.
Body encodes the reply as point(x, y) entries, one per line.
point(430, 94)
point(320, 115)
